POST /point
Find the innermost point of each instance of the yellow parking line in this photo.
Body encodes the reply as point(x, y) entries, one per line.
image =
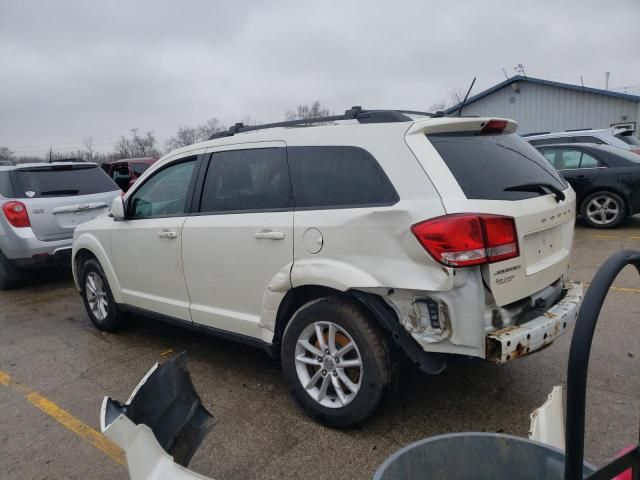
point(606, 237)
point(625, 289)
point(635, 237)
point(67, 420)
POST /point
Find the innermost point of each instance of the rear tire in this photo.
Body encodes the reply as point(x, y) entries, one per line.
point(603, 210)
point(98, 300)
point(321, 337)
point(9, 275)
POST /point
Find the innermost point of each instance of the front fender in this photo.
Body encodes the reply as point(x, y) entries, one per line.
point(89, 242)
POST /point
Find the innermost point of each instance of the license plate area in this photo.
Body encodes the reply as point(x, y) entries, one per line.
point(545, 248)
point(73, 219)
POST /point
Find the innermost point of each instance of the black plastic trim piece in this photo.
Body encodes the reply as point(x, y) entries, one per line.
point(428, 362)
point(216, 332)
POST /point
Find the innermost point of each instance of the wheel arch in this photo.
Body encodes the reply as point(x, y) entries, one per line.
point(85, 247)
point(610, 189)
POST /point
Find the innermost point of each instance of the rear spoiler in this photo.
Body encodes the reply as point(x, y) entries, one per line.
point(451, 125)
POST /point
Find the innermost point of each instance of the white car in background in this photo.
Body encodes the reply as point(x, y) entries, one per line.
point(343, 245)
point(621, 137)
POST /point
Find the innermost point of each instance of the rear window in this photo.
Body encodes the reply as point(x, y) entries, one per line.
point(628, 139)
point(61, 180)
point(338, 177)
point(485, 166)
point(139, 168)
point(5, 185)
point(551, 141)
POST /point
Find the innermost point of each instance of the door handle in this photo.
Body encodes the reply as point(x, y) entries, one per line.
point(168, 234)
point(270, 235)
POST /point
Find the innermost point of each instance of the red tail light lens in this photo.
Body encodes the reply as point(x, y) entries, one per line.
point(461, 240)
point(16, 214)
point(494, 127)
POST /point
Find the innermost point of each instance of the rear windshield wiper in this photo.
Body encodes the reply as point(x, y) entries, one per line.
point(60, 192)
point(545, 188)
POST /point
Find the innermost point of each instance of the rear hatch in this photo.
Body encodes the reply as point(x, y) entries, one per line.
point(493, 171)
point(60, 196)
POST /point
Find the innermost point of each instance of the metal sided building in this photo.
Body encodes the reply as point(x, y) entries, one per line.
point(545, 106)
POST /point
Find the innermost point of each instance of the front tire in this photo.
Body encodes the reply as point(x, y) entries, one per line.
point(603, 210)
point(98, 300)
point(337, 361)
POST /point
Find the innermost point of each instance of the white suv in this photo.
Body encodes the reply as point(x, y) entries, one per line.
point(343, 247)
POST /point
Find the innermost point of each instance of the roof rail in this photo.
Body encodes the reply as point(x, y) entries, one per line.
point(578, 129)
point(354, 113)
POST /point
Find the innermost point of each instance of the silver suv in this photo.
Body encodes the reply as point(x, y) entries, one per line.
point(41, 204)
point(621, 137)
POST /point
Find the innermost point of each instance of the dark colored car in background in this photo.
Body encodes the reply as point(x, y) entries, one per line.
point(126, 171)
point(606, 180)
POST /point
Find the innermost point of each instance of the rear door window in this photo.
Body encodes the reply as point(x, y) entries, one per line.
point(486, 165)
point(247, 180)
point(587, 161)
point(338, 177)
point(61, 180)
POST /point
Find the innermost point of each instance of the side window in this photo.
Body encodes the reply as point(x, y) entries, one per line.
point(338, 176)
point(247, 180)
point(165, 193)
point(588, 161)
point(561, 158)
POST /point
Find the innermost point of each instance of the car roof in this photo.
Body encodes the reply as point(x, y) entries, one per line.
point(318, 134)
point(573, 133)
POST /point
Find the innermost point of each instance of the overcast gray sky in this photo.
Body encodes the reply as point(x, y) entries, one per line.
point(70, 69)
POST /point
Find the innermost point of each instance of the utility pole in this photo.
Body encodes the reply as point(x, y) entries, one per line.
point(50, 153)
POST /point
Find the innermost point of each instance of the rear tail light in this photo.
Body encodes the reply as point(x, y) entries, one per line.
point(16, 214)
point(464, 239)
point(636, 150)
point(494, 127)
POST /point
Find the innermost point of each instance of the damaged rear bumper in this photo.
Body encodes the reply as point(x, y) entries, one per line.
point(515, 341)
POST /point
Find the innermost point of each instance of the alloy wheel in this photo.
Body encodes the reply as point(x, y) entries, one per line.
point(97, 296)
point(328, 364)
point(603, 210)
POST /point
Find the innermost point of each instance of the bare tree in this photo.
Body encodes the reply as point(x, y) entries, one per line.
point(303, 112)
point(88, 146)
point(189, 135)
point(457, 95)
point(137, 145)
point(438, 106)
point(6, 153)
point(209, 128)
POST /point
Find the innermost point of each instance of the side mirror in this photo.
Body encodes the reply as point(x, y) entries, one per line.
point(117, 208)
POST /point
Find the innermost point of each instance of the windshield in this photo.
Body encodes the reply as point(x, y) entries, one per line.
point(61, 180)
point(486, 165)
